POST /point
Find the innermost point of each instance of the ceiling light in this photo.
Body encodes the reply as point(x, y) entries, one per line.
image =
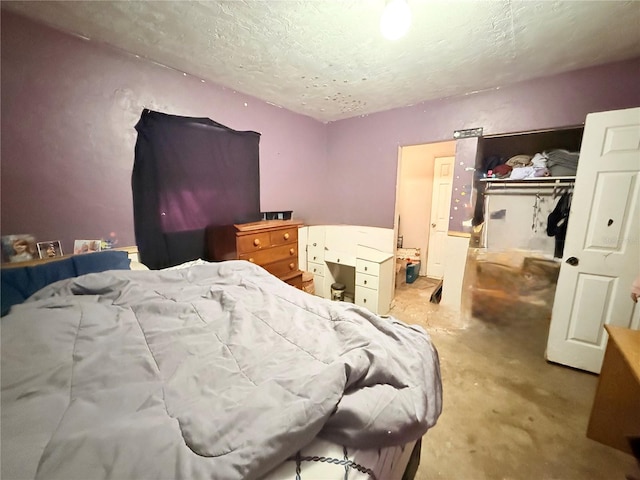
point(395, 20)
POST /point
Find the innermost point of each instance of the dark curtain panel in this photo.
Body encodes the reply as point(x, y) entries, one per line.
point(190, 173)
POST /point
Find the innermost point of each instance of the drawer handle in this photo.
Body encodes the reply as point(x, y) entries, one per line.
point(252, 260)
point(338, 261)
point(292, 251)
point(286, 236)
point(366, 268)
point(292, 266)
point(364, 300)
point(315, 258)
point(315, 244)
point(365, 282)
point(256, 242)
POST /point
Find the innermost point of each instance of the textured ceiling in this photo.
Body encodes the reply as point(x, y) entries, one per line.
point(326, 58)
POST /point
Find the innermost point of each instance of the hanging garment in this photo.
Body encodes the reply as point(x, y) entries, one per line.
point(557, 222)
point(188, 174)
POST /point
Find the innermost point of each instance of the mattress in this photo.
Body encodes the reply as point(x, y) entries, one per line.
point(323, 460)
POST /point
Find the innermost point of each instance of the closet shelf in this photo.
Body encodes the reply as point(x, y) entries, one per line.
point(538, 185)
point(531, 181)
point(537, 182)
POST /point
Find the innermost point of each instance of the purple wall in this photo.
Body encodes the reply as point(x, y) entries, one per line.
point(69, 107)
point(363, 151)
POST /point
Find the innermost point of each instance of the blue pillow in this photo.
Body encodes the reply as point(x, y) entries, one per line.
point(10, 297)
point(17, 278)
point(101, 261)
point(19, 283)
point(14, 288)
point(42, 275)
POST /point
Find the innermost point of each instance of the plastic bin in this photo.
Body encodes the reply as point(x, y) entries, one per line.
point(337, 291)
point(412, 272)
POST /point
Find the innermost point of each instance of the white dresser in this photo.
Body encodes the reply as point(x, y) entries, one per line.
point(361, 258)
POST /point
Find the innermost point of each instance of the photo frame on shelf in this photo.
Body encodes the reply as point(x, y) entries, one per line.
point(50, 249)
point(19, 248)
point(87, 246)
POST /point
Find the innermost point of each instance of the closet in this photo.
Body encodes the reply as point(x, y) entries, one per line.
point(515, 265)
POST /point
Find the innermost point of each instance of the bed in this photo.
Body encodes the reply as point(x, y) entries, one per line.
point(217, 370)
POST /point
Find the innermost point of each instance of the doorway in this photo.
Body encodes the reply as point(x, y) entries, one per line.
point(414, 199)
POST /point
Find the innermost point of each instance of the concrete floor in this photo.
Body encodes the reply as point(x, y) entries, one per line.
point(507, 414)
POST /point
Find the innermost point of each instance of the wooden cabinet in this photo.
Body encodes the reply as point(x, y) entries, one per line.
point(272, 244)
point(615, 415)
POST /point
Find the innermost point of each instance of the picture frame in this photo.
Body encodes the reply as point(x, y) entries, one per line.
point(18, 248)
point(50, 249)
point(86, 246)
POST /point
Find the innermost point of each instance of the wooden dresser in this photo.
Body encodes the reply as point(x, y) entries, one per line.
point(272, 244)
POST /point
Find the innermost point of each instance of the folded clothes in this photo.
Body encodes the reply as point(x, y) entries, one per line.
point(521, 173)
point(541, 172)
point(563, 157)
point(519, 161)
point(562, 162)
point(502, 171)
point(539, 160)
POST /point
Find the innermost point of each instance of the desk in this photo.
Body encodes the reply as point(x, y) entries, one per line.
point(359, 257)
point(616, 407)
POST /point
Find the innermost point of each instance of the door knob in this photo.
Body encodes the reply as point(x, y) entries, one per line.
point(573, 261)
point(433, 225)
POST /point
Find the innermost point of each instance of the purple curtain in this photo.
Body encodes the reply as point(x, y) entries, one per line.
point(190, 173)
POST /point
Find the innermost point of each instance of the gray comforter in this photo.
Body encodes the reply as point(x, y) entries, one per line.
point(216, 371)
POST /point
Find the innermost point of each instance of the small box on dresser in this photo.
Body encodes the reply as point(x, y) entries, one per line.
point(272, 244)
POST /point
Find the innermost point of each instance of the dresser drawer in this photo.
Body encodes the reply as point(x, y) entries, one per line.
point(367, 297)
point(369, 281)
point(315, 268)
point(315, 254)
point(270, 255)
point(253, 242)
point(368, 267)
point(282, 268)
point(341, 258)
point(281, 237)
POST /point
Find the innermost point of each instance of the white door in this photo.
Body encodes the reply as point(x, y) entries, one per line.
point(601, 255)
point(440, 204)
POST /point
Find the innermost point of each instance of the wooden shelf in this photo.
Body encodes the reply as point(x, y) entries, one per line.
point(131, 251)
